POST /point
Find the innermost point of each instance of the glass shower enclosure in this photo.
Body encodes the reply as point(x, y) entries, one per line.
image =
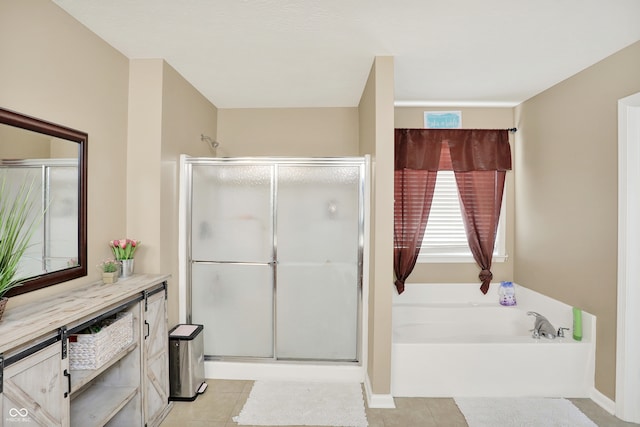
point(54, 243)
point(275, 257)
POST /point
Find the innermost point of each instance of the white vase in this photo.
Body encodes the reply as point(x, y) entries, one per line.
point(126, 268)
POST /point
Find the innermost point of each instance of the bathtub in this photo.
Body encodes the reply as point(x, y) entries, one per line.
point(450, 340)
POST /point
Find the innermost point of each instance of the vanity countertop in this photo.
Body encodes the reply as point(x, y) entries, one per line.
point(40, 318)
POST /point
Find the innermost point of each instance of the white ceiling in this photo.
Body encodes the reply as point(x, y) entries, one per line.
point(318, 53)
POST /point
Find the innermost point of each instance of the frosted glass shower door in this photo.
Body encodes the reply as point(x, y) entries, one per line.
point(232, 258)
point(54, 194)
point(318, 229)
point(32, 261)
point(62, 220)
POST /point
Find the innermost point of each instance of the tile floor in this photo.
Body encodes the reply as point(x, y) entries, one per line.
point(224, 399)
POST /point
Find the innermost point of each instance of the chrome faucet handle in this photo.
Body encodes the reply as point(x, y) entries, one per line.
point(561, 332)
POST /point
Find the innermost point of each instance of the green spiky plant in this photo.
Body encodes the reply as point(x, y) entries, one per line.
point(109, 266)
point(17, 225)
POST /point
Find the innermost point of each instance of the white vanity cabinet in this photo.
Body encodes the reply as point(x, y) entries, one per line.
point(35, 388)
point(156, 358)
point(40, 387)
point(110, 394)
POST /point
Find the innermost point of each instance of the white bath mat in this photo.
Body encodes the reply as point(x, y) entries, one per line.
point(275, 403)
point(530, 412)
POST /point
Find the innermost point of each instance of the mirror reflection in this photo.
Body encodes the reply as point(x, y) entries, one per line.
point(53, 166)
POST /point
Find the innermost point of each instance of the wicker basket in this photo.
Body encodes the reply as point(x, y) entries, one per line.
point(3, 304)
point(92, 350)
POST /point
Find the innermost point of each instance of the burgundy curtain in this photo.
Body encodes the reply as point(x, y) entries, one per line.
point(479, 158)
point(413, 193)
point(417, 156)
point(481, 199)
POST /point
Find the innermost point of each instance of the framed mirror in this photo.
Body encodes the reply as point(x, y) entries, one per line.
point(54, 159)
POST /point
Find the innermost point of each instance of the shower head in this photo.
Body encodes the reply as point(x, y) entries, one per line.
point(212, 144)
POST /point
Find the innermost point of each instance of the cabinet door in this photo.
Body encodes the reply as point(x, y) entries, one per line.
point(156, 359)
point(35, 390)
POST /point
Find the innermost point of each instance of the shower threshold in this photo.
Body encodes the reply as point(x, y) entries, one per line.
point(284, 370)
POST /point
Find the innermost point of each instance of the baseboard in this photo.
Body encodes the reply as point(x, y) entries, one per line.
point(377, 400)
point(603, 401)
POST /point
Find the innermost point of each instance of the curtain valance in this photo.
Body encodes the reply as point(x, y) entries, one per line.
point(468, 149)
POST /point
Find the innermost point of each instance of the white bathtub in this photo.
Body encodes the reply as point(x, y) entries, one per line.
point(451, 340)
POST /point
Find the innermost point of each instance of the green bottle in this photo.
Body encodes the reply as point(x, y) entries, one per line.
point(577, 324)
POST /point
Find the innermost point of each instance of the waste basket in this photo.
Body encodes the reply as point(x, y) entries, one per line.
point(186, 362)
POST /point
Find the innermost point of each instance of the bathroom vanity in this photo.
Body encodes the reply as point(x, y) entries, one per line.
point(37, 383)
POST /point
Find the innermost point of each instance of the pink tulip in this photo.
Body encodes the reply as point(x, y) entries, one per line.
point(124, 248)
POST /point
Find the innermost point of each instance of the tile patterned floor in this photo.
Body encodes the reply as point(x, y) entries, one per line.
point(224, 399)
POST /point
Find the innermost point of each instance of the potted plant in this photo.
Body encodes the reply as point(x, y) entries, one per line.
point(17, 225)
point(123, 251)
point(109, 268)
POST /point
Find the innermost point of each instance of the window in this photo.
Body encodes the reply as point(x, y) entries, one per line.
point(445, 239)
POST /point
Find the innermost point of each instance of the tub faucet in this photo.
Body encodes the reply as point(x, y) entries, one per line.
point(542, 326)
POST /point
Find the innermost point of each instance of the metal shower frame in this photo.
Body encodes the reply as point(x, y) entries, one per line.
point(275, 162)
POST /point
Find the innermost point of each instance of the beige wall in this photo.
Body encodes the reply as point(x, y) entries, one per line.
point(55, 69)
point(17, 143)
point(298, 132)
point(376, 138)
point(143, 161)
point(472, 118)
point(166, 118)
point(566, 204)
point(186, 115)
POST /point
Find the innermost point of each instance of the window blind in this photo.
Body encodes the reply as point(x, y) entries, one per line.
point(445, 232)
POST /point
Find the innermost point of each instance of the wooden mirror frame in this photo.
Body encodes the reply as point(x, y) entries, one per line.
point(12, 118)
